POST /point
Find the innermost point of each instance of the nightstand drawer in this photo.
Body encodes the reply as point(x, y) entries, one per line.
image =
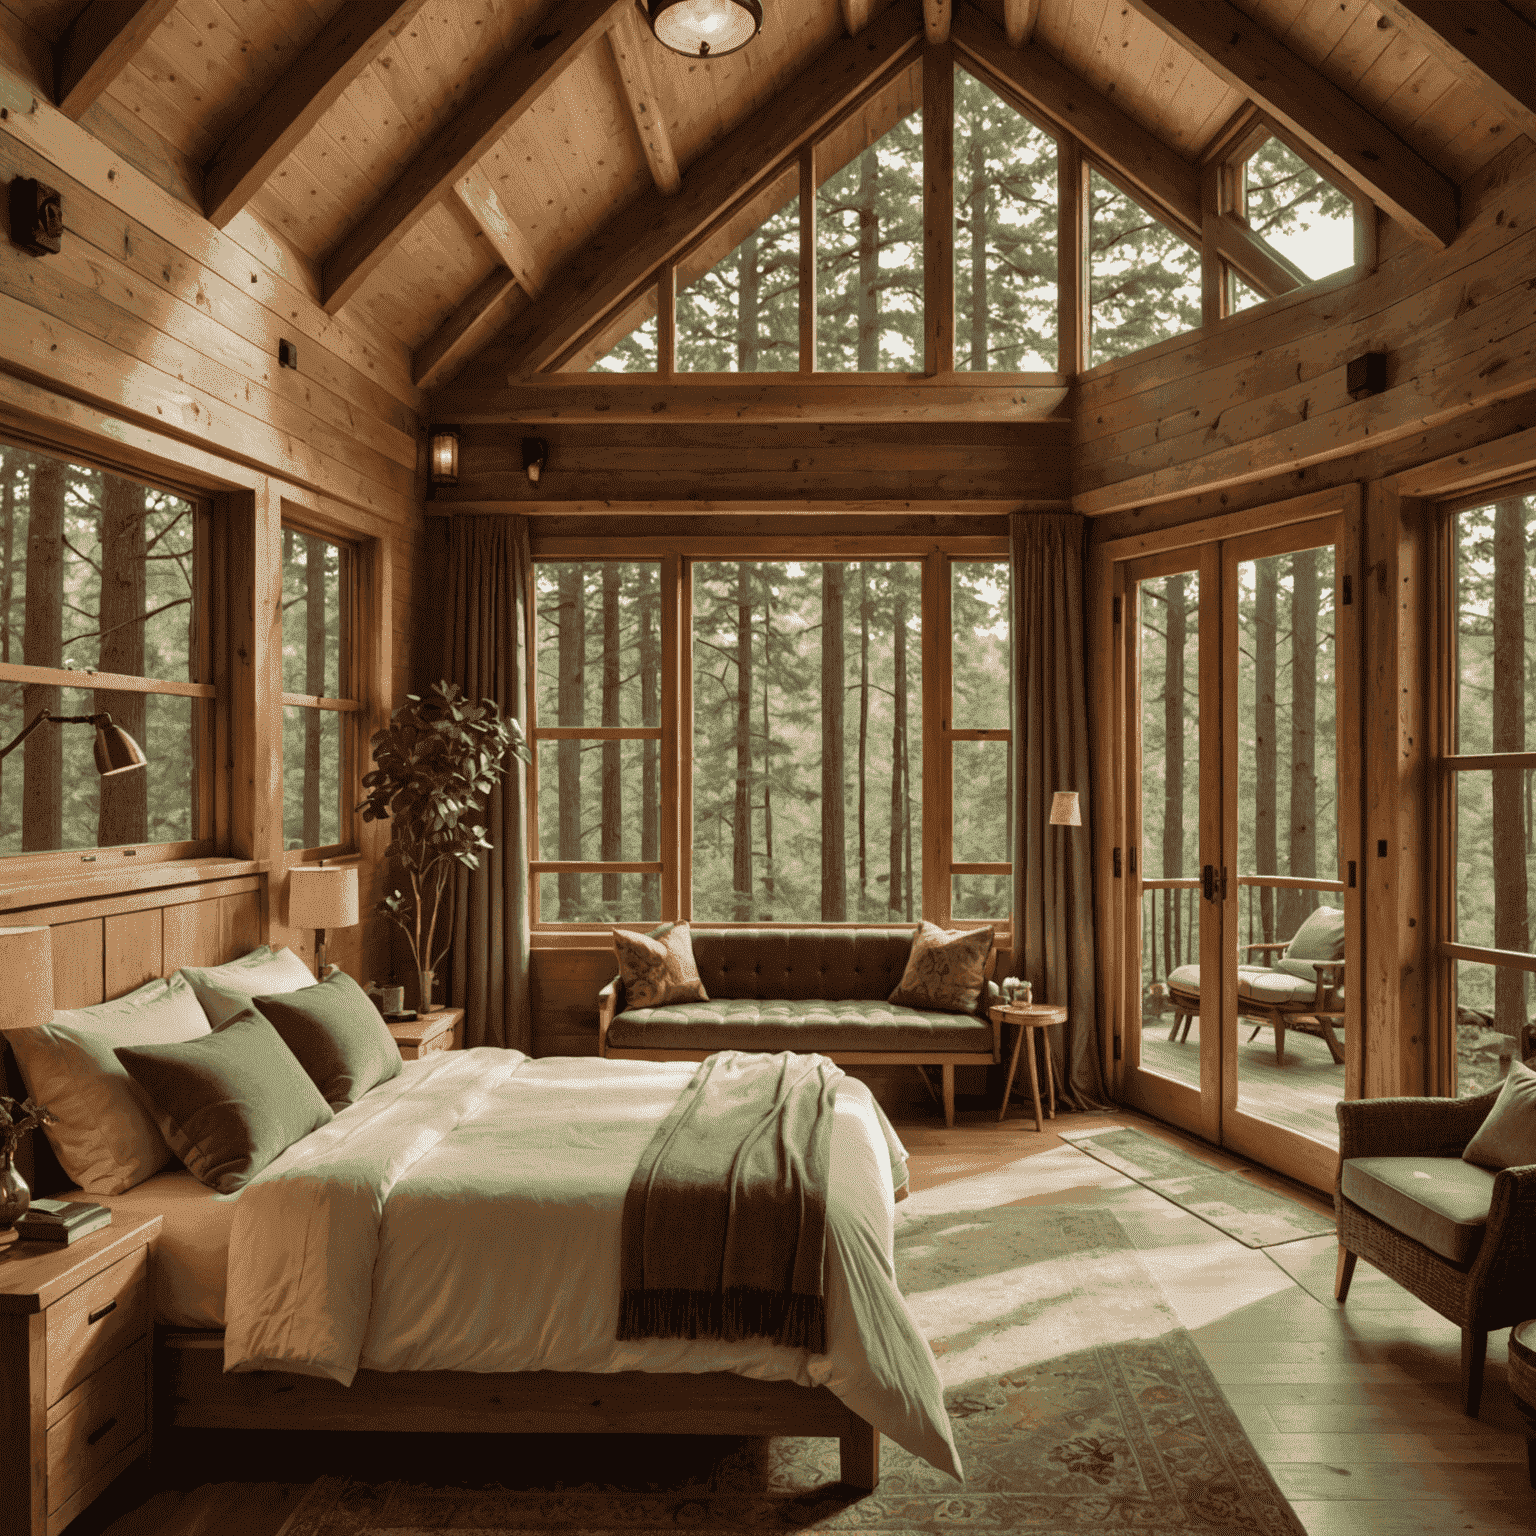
point(96, 1423)
point(94, 1321)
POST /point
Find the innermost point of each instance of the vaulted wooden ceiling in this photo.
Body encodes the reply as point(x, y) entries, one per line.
point(443, 163)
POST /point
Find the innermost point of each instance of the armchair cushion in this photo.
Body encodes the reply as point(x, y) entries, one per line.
point(1320, 937)
point(1507, 1138)
point(1441, 1202)
point(1260, 985)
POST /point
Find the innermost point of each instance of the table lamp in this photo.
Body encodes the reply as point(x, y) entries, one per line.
point(1065, 810)
point(322, 896)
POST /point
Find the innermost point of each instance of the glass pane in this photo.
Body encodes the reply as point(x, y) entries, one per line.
point(807, 697)
point(1144, 281)
point(981, 896)
point(599, 898)
point(599, 642)
point(1168, 618)
point(65, 525)
point(50, 794)
point(600, 800)
point(1492, 1027)
point(313, 790)
point(1243, 297)
point(1005, 235)
point(1495, 860)
point(981, 654)
point(1495, 547)
point(316, 626)
point(1303, 216)
point(626, 346)
point(743, 314)
point(869, 255)
point(983, 805)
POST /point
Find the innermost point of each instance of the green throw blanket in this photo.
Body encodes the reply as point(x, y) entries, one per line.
point(725, 1221)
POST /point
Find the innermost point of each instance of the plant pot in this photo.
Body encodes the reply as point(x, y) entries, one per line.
point(15, 1197)
point(424, 980)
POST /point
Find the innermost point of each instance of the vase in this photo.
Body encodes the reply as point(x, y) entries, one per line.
point(424, 980)
point(15, 1197)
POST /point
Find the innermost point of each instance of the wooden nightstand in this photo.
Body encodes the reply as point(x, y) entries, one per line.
point(442, 1030)
point(76, 1325)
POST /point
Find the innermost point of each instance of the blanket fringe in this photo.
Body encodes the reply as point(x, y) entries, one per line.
point(798, 1322)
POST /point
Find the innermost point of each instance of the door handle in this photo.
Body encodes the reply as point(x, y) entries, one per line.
point(1208, 882)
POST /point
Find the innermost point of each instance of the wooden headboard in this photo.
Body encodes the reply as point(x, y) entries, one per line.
point(108, 945)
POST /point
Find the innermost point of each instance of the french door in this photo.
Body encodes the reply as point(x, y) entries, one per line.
point(1237, 756)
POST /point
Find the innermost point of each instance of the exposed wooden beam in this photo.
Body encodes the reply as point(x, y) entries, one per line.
point(509, 242)
point(1311, 106)
point(627, 44)
point(1019, 18)
point(1170, 184)
point(1488, 46)
point(452, 340)
point(97, 47)
point(629, 251)
point(856, 15)
point(523, 77)
point(936, 20)
point(348, 43)
point(1267, 270)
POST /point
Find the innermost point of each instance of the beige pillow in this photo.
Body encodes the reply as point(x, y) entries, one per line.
point(658, 967)
point(106, 1136)
point(946, 971)
point(1507, 1138)
point(224, 990)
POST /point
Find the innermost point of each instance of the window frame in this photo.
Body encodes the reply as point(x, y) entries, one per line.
point(936, 555)
point(46, 865)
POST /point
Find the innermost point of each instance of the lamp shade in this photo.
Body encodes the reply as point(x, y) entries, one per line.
point(26, 964)
point(322, 896)
point(116, 750)
point(705, 29)
point(1065, 811)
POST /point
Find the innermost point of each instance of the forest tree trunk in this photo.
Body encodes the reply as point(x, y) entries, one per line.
point(1303, 831)
point(834, 843)
point(123, 813)
point(8, 568)
point(1511, 920)
point(869, 262)
point(896, 896)
point(570, 704)
point(863, 729)
point(1173, 752)
point(314, 681)
point(747, 306)
point(42, 773)
point(979, 314)
point(767, 742)
point(741, 821)
point(1266, 745)
point(611, 834)
point(650, 762)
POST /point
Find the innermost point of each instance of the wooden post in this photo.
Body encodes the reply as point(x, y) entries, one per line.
point(1073, 319)
point(939, 209)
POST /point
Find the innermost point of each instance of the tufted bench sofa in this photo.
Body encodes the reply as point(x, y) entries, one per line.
point(802, 989)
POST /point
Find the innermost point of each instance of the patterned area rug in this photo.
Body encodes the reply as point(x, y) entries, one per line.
point(1078, 1403)
point(1255, 1216)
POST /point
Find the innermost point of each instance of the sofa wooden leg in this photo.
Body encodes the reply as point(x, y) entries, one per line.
point(859, 1457)
point(1474, 1351)
point(948, 1069)
point(1343, 1275)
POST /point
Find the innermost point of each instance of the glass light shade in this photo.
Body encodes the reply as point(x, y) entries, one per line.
point(26, 962)
point(444, 453)
point(116, 751)
point(1065, 811)
point(705, 29)
point(322, 896)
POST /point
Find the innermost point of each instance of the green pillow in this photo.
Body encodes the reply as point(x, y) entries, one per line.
point(228, 1102)
point(1507, 1137)
point(1320, 937)
point(340, 1038)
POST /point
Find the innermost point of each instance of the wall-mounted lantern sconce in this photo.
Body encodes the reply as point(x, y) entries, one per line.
point(535, 456)
point(444, 453)
point(1366, 375)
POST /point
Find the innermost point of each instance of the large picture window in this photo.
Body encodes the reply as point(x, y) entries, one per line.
point(102, 574)
point(738, 739)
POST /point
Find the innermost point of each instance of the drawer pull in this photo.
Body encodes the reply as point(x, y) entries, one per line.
point(101, 1312)
point(98, 1434)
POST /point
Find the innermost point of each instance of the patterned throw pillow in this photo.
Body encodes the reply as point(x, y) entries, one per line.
point(658, 967)
point(945, 971)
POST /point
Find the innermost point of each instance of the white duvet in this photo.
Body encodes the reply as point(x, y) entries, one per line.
point(466, 1216)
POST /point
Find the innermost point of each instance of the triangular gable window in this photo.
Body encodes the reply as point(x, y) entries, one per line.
point(1296, 212)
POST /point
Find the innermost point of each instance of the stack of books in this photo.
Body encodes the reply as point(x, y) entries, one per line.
point(61, 1221)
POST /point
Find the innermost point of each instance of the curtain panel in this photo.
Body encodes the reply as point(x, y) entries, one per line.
point(1053, 936)
point(485, 651)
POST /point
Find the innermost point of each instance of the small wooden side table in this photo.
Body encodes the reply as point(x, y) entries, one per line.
point(440, 1030)
point(1027, 1020)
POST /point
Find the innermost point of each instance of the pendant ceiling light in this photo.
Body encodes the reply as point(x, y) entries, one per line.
point(705, 29)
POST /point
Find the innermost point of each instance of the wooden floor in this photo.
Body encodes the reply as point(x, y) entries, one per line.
point(1354, 1409)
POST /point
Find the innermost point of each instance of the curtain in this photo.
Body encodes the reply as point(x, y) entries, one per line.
point(1053, 939)
point(485, 652)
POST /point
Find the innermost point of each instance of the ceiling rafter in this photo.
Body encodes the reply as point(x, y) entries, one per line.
point(451, 342)
point(937, 18)
point(1333, 124)
point(1019, 18)
point(1489, 47)
point(346, 45)
point(97, 47)
point(1152, 172)
point(631, 248)
point(529, 70)
point(478, 194)
point(627, 44)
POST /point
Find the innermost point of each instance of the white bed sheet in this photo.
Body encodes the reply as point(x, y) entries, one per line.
point(467, 1216)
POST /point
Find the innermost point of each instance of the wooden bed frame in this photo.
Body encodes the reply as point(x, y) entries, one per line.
point(192, 1391)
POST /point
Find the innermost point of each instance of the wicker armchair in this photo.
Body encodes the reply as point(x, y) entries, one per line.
point(1498, 1288)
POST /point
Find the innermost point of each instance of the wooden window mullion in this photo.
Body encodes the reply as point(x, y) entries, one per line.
point(939, 209)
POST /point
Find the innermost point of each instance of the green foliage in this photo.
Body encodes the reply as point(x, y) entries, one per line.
point(743, 315)
point(436, 762)
point(1303, 215)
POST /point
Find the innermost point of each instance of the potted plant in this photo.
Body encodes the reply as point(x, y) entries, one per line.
point(435, 763)
point(18, 1118)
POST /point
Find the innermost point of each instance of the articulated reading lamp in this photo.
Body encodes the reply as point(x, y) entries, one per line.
point(116, 750)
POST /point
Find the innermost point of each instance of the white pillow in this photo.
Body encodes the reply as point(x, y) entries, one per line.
point(106, 1137)
point(224, 990)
